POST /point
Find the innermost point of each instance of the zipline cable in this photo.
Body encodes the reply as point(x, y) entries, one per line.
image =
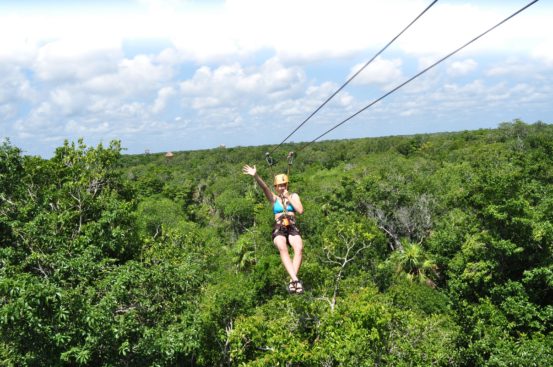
point(417, 75)
point(353, 76)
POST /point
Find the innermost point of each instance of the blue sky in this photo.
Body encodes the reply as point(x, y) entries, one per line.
point(184, 75)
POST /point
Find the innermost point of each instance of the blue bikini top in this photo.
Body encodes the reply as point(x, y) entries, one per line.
point(277, 207)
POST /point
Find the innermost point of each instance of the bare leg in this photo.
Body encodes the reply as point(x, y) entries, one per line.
point(297, 244)
point(280, 243)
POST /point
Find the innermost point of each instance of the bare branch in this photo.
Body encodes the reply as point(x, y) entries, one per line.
point(42, 271)
point(121, 309)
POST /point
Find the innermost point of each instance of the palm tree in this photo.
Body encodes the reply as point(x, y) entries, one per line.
point(414, 264)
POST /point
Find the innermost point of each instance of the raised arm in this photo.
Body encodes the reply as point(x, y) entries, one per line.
point(252, 171)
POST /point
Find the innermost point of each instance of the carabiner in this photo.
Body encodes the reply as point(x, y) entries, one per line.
point(291, 156)
point(269, 159)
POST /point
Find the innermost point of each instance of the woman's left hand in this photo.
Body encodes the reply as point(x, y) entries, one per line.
point(247, 170)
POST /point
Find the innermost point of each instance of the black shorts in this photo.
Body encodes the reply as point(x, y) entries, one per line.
point(280, 229)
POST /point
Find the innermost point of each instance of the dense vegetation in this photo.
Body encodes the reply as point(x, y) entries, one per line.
point(419, 250)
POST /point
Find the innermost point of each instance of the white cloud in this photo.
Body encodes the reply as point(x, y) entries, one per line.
point(544, 51)
point(453, 96)
point(42, 120)
point(107, 93)
point(315, 95)
point(15, 48)
point(280, 81)
point(163, 96)
point(235, 85)
point(87, 127)
point(442, 29)
point(205, 102)
point(242, 27)
point(75, 59)
point(66, 101)
point(243, 63)
point(7, 111)
point(42, 112)
point(140, 73)
point(13, 85)
point(91, 91)
point(462, 67)
point(512, 68)
point(345, 100)
point(381, 71)
point(131, 77)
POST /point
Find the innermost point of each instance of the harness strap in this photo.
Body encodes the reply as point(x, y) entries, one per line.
point(286, 220)
point(270, 162)
point(290, 162)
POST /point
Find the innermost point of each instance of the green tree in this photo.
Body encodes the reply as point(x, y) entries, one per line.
point(344, 242)
point(415, 264)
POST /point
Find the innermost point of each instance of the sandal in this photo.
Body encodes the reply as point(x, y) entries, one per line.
point(291, 288)
point(298, 286)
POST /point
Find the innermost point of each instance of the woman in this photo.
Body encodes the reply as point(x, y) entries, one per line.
point(285, 207)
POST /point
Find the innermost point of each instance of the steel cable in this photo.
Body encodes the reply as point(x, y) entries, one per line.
point(417, 75)
point(353, 76)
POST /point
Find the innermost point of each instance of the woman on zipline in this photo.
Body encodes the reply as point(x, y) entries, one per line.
point(285, 207)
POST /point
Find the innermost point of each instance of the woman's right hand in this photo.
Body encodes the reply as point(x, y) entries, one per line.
point(247, 170)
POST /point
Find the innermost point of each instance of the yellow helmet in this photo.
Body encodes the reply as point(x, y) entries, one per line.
point(281, 179)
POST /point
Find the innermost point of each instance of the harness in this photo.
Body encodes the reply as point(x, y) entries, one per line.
point(278, 208)
point(285, 219)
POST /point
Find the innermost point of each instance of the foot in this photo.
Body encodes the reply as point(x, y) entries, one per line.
point(298, 286)
point(291, 287)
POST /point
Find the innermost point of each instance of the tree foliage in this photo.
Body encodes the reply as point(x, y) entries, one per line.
point(418, 250)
